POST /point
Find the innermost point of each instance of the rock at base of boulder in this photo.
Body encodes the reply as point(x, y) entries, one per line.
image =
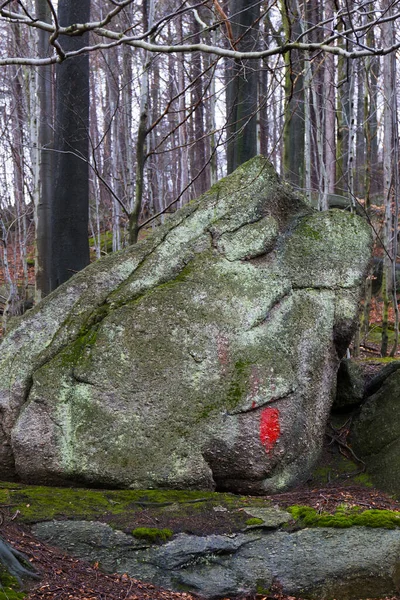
point(376, 435)
point(348, 564)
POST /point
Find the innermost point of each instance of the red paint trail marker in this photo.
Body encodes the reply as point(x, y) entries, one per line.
point(270, 428)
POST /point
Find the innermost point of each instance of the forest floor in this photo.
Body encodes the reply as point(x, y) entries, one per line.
point(66, 578)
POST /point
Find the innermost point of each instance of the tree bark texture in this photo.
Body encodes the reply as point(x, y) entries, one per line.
point(45, 96)
point(294, 129)
point(242, 85)
point(70, 246)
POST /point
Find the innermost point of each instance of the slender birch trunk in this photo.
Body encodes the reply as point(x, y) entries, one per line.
point(141, 141)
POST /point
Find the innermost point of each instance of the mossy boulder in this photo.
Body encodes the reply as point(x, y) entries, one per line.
point(203, 357)
point(376, 435)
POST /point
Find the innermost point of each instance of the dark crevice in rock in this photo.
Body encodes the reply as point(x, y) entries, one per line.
point(323, 288)
point(27, 391)
point(276, 304)
point(80, 379)
point(270, 400)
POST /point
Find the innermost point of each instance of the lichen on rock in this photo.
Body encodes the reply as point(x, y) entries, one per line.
point(204, 357)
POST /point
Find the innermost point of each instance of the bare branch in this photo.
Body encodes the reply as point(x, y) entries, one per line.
point(110, 39)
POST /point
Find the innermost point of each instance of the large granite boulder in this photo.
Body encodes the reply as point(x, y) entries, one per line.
point(205, 356)
point(376, 434)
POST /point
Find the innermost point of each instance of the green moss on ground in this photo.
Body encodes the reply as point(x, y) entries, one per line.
point(261, 588)
point(174, 510)
point(254, 521)
point(364, 480)
point(152, 534)
point(380, 360)
point(40, 503)
point(7, 593)
point(306, 516)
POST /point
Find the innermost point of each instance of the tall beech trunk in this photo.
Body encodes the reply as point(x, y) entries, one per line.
point(242, 86)
point(45, 161)
point(70, 206)
point(294, 128)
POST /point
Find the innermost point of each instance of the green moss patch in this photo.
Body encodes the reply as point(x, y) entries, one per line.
point(152, 534)
point(195, 512)
point(306, 516)
point(7, 593)
point(254, 521)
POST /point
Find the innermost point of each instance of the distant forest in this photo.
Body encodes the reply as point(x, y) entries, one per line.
point(114, 113)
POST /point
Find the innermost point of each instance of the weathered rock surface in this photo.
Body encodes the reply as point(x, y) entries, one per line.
point(318, 563)
point(376, 435)
point(205, 356)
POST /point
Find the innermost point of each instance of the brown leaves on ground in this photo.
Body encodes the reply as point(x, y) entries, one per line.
point(67, 578)
point(328, 499)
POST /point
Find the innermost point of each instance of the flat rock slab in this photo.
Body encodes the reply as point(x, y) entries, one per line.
point(271, 517)
point(321, 563)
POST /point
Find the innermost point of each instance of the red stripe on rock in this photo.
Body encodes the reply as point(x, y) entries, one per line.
point(270, 428)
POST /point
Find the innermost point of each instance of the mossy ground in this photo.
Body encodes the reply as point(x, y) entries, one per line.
point(254, 521)
point(152, 534)
point(195, 512)
point(333, 468)
point(189, 511)
point(345, 516)
point(198, 513)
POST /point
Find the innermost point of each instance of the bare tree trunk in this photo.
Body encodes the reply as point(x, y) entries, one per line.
point(199, 169)
point(141, 145)
point(70, 213)
point(242, 87)
point(344, 79)
point(360, 137)
point(389, 91)
point(183, 131)
point(293, 134)
point(330, 119)
point(45, 163)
